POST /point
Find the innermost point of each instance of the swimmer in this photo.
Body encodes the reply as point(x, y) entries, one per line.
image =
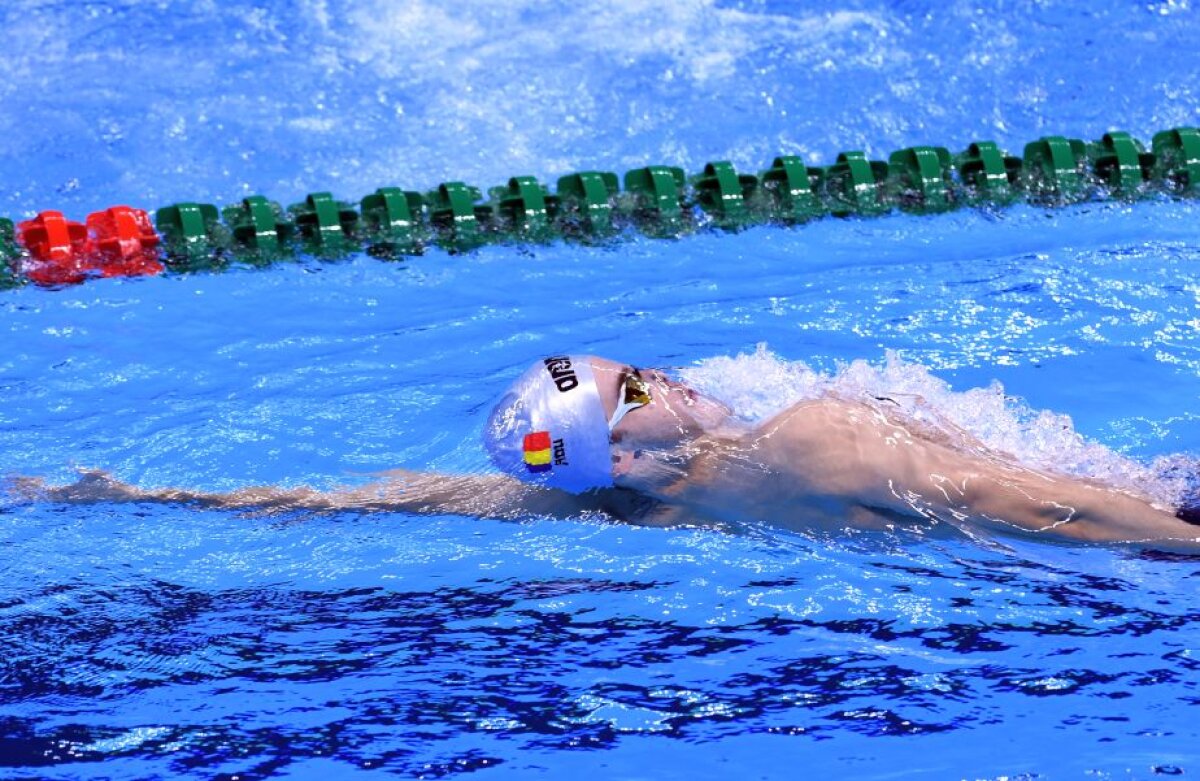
point(579, 435)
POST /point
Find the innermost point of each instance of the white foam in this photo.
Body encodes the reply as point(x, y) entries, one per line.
point(700, 39)
point(761, 384)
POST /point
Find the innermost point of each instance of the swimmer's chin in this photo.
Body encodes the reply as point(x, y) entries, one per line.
point(654, 472)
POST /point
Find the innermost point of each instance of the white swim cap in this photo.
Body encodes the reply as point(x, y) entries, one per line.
point(550, 427)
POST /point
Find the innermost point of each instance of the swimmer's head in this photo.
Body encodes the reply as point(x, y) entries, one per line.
point(576, 422)
point(550, 427)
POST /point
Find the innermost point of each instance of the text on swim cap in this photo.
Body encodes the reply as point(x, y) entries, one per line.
point(562, 373)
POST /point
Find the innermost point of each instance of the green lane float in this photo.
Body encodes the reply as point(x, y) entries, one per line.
point(1121, 163)
point(725, 194)
point(390, 220)
point(988, 176)
point(854, 185)
point(1054, 169)
point(324, 223)
point(261, 229)
point(1177, 160)
point(586, 203)
point(792, 190)
point(455, 213)
point(193, 237)
point(9, 255)
point(920, 179)
point(592, 206)
point(656, 198)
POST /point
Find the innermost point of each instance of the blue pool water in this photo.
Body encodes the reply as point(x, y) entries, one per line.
point(169, 642)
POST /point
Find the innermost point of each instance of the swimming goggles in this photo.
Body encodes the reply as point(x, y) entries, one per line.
point(635, 393)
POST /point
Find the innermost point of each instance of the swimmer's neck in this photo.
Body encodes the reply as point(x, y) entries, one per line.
point(706, 477)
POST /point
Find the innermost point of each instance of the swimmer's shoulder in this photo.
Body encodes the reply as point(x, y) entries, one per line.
point(822, 409)
point(825, 423)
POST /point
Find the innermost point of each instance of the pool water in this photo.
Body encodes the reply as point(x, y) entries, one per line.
point(170, 642)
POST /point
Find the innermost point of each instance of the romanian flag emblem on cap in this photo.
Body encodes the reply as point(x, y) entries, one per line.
point(537, 451)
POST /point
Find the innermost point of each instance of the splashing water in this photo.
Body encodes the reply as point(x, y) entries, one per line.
point(761, 384)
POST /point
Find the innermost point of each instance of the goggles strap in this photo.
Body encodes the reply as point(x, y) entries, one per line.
point(620, 412)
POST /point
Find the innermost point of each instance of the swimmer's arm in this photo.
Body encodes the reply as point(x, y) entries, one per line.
point(995, 493)
point(1078, 510)
point(1029, 502)
point(482, 496)
point(479, 496)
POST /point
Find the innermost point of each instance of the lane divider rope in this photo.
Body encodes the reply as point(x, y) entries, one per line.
point(590, 206)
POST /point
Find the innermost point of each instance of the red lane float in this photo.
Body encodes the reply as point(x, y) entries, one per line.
point(124, 243)
point(117, 242)
point(57, 249)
